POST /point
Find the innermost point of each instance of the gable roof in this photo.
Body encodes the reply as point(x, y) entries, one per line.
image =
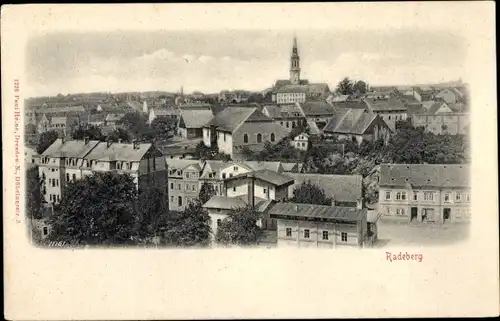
point(283, 111)
point(266, 175)
point(180, 163)
point(232, 117)
point(350, 121)
point(313, 127)
point(119, 151)
point(293, 89)
point(310, 211)
point(71, 148)
point(272, 166)
point(435, 107)
point(195, 118)
point(344, 188)
point(424, 175)
point(313, 108)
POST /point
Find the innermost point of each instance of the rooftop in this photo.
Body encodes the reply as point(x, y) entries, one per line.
point(424, 175)
point(317, 212)
point(228, 203)
point(317, 108)
point(381, 105)
point(119, 151)
point(71, 148)
point(181, 163)
point(266, 175)
point(350, 121)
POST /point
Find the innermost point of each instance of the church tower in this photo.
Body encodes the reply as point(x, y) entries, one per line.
point(295, 64)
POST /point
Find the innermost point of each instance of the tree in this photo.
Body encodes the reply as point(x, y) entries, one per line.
point(190, 228)
point(345, 87)
point(46, 139)
point(90, 131)
point(29, 129)
point(135, 122)
point(152, 213)
point(308, 193)
point(118, 134)
point(360, 87)
point(97, 210)
point(239, 228)
point(207, 191)
point(34, 198)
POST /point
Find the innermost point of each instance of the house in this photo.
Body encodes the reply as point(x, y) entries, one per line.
point(236, 128)
point(442, 123)
point(97, 120)
point(378, 94)
point(320, 226)
point(413, 92)
point(292, 94)
point(288, 116)
point(66, 161)
point(183, 179)
point(178, 152)
point(390, 110)
point(425, 192)
point(450, 95)
point(259, 189)
point(318, 111)
point(220, 207)
point(344, 190)
point(42, 123)
point(113, 119)
point(301, 141)
point(192, 119)
point(63, 124)
point(169, 113)
point(357, 125)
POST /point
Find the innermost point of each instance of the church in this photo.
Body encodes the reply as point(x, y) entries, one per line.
point(296, 90)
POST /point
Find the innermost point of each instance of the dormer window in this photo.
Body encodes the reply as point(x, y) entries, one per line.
point(235, 168)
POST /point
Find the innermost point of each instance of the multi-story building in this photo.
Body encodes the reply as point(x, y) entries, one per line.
point(321, 226)
point(236, 128)
point(192, 119)
point(301, 141)
point(425, 192)
point(66, 161)
point(288, 116)
point(390, 110)
point(318, 111)
point(183, 179)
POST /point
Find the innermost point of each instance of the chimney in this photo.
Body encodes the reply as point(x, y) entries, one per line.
point(86, 140)
point(135, 144)
point(108, 143)
point(251, 190)
point(333, 202)
point(119, 140)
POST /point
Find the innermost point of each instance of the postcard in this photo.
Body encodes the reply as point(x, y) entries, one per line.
point(279, 160)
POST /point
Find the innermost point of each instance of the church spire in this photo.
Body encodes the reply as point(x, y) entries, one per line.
point(295, 64)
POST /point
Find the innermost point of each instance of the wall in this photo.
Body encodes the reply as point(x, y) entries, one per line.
point(187, 188)
point(252, 129)
point(401, 209)
point(315, 239)
point(264, 190)
point(206, 137)
point(391, 117)
point(53, 171)
point(455, 123)
point(225, 142)
point(283, 98)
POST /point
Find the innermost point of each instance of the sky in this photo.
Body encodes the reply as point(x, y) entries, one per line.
point(210, 61)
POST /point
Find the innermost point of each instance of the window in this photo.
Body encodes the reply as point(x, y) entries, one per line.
point(389, 117)
point(273, 138)
point(74, 177)
point(224, 136)
point(398, 196)
point(447, 197)
point(259, 138)
point(281, 123)
point(187, 187)
point(52, 170)
point(325, 235)
point(218, 222)
point(45, 230)
point(467, 197)
point(57, 182)
point(403, 196)
point(58, 198)
point(400, 211)
point(387, 195)
point(53, 182)
point(458, 197)
point(415, 196)
point(171, 185)
point(288, 232)
point(265, 190)
point(179, 187)
point(235, 168)
point(306, 234)
point(428, 196)
point(194, 188)
point(245, 138)
point(343, 236)
point(234, 189)
point(50, 197)
point(223, 175)
point(287, 125)
point(179, 201)
point(171, 199)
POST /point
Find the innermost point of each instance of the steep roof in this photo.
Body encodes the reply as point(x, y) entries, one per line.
point(354, 104)
point(118, 151)
point(313, 127)
point(165, 111)
point(272, 166)
point(232, 117)
point(313, 108)
point(350, 121)
point(344, 188)
point(266, 176)
point(195, 118)
point(283, 111)
point(310, 211)
point(71, 148)
point(284, 82)
point(114, 117)
point(424, 175)
point(435, 107)
point(381, 105)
